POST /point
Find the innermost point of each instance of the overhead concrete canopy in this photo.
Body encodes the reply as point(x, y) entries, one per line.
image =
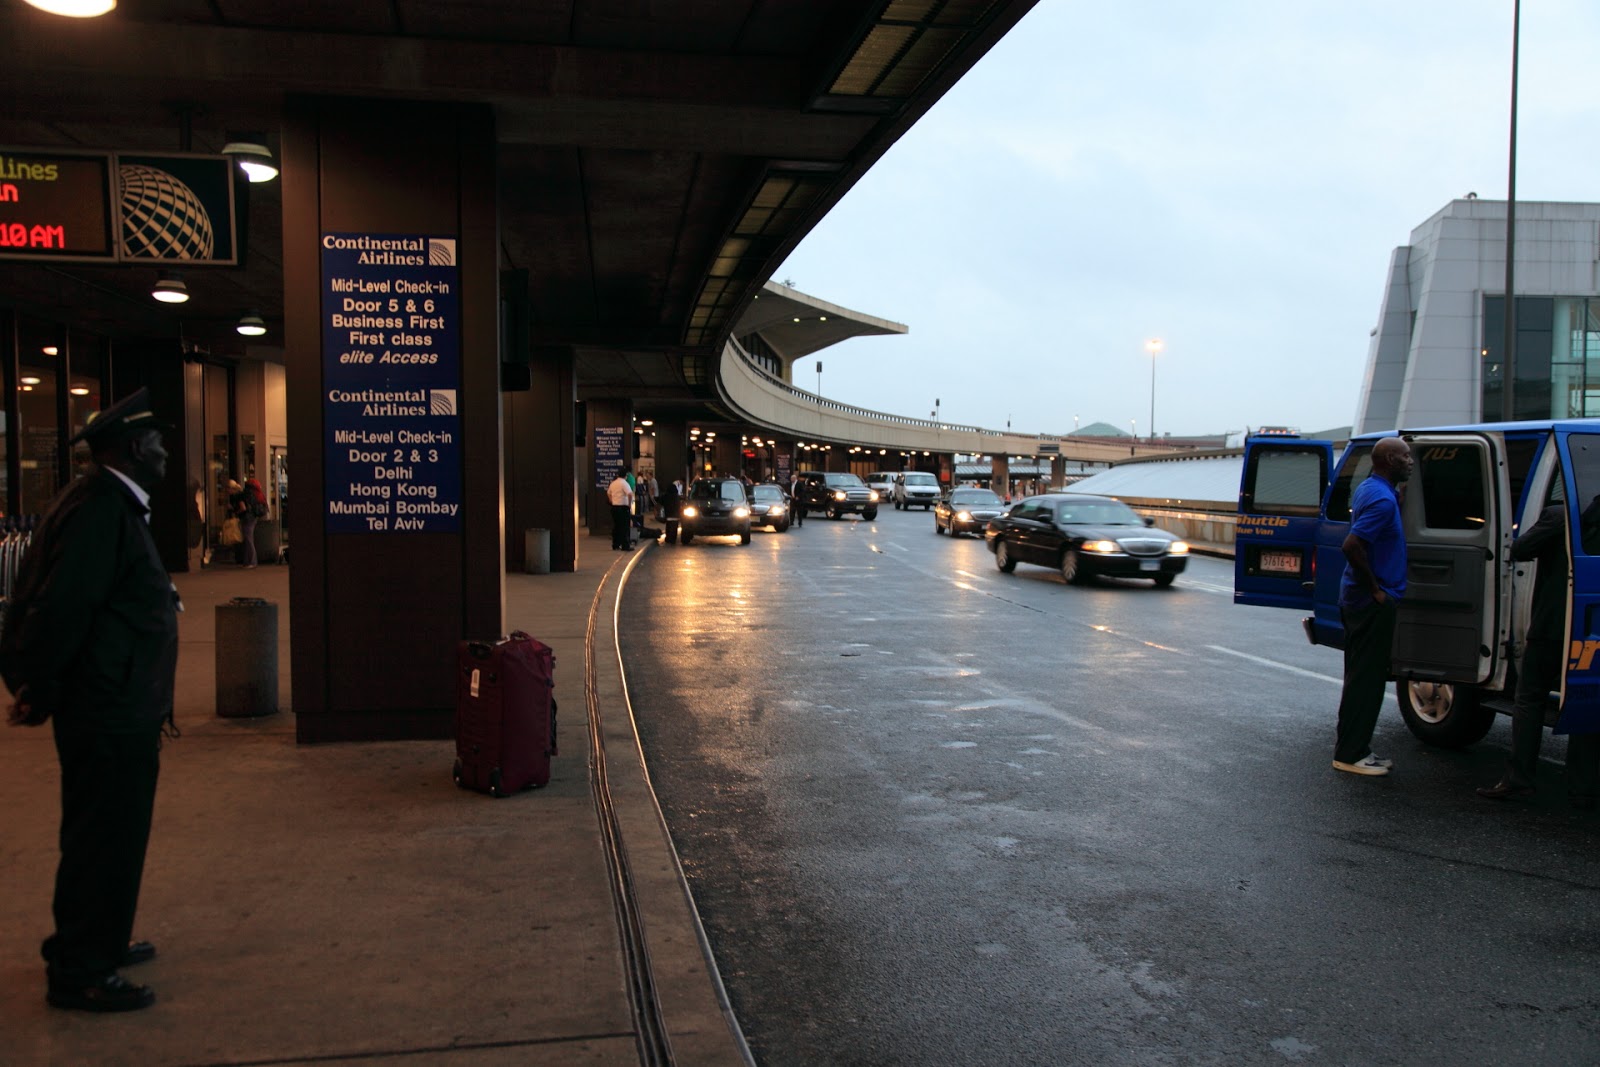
point(795, 324)
point(657, 158)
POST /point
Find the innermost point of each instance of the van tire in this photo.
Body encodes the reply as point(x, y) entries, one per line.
point(870, 514)
point(1444, 714)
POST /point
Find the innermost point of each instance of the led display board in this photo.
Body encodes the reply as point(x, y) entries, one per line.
point(55, 206)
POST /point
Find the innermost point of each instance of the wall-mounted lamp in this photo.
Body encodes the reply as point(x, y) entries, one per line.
point(251, 324)
point(169, 288)
point(74, 9)
point(250, 151)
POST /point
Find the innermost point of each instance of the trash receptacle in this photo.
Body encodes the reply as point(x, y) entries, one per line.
point(247, 657)
point(536, 551)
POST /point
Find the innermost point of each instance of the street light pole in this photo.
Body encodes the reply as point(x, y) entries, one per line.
point(1508, 362)
point(1154, 345)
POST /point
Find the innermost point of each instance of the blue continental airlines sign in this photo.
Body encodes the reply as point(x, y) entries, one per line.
point(391, 372)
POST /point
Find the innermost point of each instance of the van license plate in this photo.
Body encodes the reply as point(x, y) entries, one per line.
point(1149, 564)
point(1280, 563)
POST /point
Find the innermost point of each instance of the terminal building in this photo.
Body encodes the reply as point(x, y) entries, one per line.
point(1436, 356)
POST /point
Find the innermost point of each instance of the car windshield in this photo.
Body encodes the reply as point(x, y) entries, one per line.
point(921, 479)
point(767, 494)
point(729, 491)
point(1097, 512)
point(973, 497)
point(844, 481)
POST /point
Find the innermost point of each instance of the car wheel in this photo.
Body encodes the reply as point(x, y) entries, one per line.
point(1002, 557)
point(688, 538)
point(783, 527)
point(1444, 714)
point(744, 538)
point(833, 513)
point(936, 527)
point(1071, 568)
point(870, 514)
point(1164, 580)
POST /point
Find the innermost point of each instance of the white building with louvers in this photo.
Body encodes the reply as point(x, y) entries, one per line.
point(1436, 355)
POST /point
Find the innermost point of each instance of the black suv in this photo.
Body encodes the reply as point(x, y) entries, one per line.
point(836, 493)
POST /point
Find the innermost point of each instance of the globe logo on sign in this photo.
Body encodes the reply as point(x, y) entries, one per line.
point(161, 216)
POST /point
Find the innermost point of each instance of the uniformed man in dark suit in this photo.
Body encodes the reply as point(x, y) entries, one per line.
point(1539, 671)
point(90, 643)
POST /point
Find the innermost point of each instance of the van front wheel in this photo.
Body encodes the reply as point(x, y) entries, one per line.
point(1444, 714)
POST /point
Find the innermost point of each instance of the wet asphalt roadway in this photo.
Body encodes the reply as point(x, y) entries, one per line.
point(935, 814)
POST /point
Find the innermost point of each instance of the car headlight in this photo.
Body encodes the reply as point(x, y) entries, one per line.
point(741, 513)
point(690, 511)
point(963, 516)
point(1101, 546)
point(1178, 548)
point(776, 509)
point(873, 494)
point(840, 494)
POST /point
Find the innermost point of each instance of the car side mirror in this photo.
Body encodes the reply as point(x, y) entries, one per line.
point(1148, 521)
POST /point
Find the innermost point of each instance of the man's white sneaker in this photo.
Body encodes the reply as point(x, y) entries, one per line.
point(1368, 764)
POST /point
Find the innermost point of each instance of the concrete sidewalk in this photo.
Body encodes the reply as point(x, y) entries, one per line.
point(343, 903)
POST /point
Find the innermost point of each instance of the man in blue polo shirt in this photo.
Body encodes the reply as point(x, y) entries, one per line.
point(1369, 593)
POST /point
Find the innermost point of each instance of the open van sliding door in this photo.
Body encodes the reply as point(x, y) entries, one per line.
point(1454, 619)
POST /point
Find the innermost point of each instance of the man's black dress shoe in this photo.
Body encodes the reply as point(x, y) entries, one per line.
point(138, 952)
point(1505, 789)
point(109, 993)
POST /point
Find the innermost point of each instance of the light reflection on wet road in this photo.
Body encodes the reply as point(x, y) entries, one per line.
point(937, 814)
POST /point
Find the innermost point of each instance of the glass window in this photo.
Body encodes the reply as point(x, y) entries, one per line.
point(86, 363)
point(1286, 481)
point(1585, 450)
point(1452, 480)
point(38, 409)
point(1355, 469)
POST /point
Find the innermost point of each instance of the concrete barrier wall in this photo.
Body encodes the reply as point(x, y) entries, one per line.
point(1212, 530)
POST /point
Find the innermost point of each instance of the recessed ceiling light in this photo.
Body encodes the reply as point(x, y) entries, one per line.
point(75, 9)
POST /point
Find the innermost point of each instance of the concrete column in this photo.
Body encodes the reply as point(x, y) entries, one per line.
point(1058, 471)
point(672, 451)
point(1000, 475)
point(541, 479)
point(378, 612)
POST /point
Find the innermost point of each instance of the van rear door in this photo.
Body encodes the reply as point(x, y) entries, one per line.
point(1454, 622)
point(1280, 498)
point(1580, 676)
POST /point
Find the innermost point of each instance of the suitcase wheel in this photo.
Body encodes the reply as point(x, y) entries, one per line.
point(494, 783)
point(455, 772)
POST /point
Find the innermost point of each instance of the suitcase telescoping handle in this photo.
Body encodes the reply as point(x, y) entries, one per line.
point(484, 649)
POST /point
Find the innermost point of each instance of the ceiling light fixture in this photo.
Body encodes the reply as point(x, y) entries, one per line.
point(250, 151)
point(75, 9)
point(51, 350)
point(79, 390)
point(30, 381)
point(169, 288)
point(251, 324)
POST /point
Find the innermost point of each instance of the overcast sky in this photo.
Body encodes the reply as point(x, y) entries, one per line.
point(1231, 178)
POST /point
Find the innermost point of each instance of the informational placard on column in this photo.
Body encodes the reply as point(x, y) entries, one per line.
point(607, 454)
point(391, 372)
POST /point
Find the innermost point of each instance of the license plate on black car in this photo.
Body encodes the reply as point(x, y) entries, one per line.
point(1280, 562)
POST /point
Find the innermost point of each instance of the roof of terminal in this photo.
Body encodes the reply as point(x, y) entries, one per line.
point(1210, 479)
point(796, 324)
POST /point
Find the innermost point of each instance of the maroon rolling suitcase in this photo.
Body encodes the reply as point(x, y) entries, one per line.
point(505, 714)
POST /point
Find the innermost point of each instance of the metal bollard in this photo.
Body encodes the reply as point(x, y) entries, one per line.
point(247, 657)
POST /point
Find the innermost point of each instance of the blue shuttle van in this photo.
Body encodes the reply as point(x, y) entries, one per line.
point(1465, 611)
